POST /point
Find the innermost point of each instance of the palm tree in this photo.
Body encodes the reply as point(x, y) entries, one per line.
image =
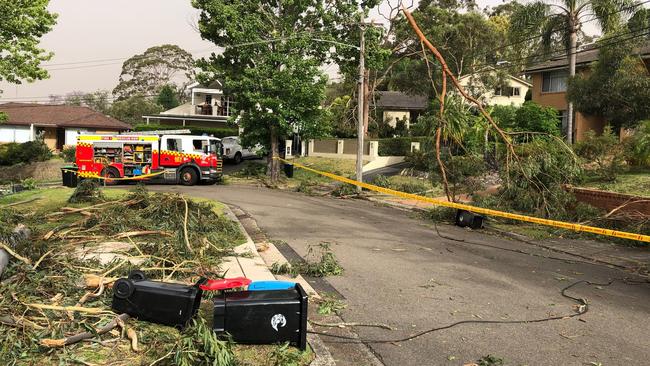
point(560, 22)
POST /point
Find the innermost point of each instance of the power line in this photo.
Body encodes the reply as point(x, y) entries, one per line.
point(557, 29)
point(117, 59)
point(639, 33)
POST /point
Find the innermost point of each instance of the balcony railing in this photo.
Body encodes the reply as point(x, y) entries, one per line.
point(209, 110)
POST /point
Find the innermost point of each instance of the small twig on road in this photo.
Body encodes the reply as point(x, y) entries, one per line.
point(343, 325)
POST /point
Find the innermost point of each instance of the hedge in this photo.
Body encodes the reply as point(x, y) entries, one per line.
point(27, 152)
point(397, 146)
point(216, 132)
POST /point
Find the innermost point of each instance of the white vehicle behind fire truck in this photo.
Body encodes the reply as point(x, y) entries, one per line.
point(233, 150)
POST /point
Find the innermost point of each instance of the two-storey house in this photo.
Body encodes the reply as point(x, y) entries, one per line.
point(208, 107)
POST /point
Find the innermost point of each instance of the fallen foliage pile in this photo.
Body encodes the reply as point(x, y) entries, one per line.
point(56, 284)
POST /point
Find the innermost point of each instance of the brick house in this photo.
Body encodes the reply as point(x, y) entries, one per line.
point(550, 79)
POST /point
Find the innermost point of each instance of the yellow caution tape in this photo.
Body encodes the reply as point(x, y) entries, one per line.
point(97, 176)
point(480, 210)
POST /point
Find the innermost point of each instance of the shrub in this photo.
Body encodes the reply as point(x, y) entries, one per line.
point(87, 191)
point(402, 184)
point(27, 152)
point(216, 132)
point(69, 154)
point(530, 117)
point(397, 146)
point(637, 147)
point(381, 181)
point(29, 183)
point(536, 184)
point(462, 172)
point(604, 152)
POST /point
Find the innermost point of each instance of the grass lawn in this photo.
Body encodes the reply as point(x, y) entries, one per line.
point(409, 184)
point(635, 182)
point(343, 167)
point(59, 278)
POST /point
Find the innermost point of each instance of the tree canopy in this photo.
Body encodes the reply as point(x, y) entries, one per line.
point(270, 62)
point(132, 109)
point(618, 86)
point(146, 74)
point(22, 24)
point(168, 97)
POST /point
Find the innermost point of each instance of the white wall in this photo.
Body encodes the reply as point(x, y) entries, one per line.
point(14, 134)
point(392, 116)
point(72, 133)
point(488, 96)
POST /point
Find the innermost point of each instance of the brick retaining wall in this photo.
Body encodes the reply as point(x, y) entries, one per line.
point(610, 200)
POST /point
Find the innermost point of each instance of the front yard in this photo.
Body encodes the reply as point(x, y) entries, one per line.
point(635, 182)
point(74, 253)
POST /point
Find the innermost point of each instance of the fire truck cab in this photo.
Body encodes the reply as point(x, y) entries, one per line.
point(164, 158)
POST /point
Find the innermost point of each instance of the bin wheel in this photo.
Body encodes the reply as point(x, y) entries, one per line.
point(137, 275)
point(189, 177)
point(123, 288)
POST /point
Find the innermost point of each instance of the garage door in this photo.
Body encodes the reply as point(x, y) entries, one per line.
point(14, 134)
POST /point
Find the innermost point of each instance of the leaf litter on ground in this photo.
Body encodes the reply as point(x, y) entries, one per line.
point(169, 237)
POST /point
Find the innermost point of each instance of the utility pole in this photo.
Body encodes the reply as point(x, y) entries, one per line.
point(360, 98)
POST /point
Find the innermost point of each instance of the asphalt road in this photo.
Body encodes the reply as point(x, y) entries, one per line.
point(399, 271)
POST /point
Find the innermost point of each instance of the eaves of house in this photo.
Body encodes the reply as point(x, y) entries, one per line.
point(583, 58)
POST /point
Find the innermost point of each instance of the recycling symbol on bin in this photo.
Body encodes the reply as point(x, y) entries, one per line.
point(278, 319)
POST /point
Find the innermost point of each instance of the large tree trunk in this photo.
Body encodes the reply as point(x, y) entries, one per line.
point(273, 162)
point(573, 42)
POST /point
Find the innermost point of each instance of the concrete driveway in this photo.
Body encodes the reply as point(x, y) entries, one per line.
point(399, 271)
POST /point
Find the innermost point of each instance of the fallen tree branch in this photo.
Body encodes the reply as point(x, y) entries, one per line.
point(19, 323)
point(68, 308)
point(22, 202)
point(53, 343)
point(187, 240)
point(141, 233)
point(133, 336)
point(42, 257)
point(14, 254)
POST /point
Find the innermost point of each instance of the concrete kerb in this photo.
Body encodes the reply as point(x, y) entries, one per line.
point(256, 268)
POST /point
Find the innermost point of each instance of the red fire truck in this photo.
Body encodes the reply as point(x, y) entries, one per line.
point(154, 156)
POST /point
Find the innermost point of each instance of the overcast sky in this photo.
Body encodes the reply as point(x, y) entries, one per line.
point(93, 37)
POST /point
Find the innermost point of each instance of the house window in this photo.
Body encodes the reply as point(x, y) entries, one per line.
point(224, 109)
point(173, 144)
point(508, 92)
point(208, 99)
point(554, 81)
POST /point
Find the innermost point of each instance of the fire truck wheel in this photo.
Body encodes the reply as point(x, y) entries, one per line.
point(238, 158)
point(189, 177)
point(123, 288)
point(109, 173)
